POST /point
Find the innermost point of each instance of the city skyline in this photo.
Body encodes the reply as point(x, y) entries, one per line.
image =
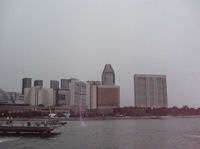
point(47, 84)
point(49, 40)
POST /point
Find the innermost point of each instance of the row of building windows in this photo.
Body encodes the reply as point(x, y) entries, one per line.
point(152, 100)
point(151, 79)
point(151, 84)
point(143, 92)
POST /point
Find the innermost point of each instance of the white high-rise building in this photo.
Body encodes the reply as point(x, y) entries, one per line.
point(92, 93)
point(39, 96)
point(150, 91)
point(78, 94)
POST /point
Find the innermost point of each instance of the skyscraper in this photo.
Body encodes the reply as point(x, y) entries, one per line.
point(92, 93)
point(108, 94)
point(150, 91)
point(54, 84)
point(26, 83)
point(78, 95)
point(38, 83)
point(65, 83)
point(108, 75)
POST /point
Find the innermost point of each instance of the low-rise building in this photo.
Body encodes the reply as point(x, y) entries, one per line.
point(5, 98)
point(17, 98)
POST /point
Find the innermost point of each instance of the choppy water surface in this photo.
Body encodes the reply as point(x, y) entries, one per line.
point(117, 134)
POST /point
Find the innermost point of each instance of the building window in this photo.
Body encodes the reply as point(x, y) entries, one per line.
point(61, 97)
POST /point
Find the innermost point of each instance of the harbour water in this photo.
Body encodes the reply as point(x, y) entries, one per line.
point(179, 133)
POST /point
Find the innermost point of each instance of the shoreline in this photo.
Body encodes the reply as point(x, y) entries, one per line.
point(131, 117)
point(104, 118)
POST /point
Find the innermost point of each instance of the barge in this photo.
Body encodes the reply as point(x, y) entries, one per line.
point(23, 130)
point(38, 128)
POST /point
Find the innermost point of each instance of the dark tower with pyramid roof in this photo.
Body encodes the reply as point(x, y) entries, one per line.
point(108, 75)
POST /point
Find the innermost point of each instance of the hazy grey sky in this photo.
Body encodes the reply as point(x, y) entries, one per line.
point(53, 39)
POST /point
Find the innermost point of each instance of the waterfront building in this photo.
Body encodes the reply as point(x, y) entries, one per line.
point(66, 82)
point(16, 98)
point(19, 109)
point(38, 83)
point(63, 97)
point(26, 83)
point(108, 96)
point(19, 99)
point(4, 98)
point(92, 93)
point(150, 91)
point(46, 97)
point(54, 84)
point(108, 75)
point(15, 108)
point(78, 95)
point(36, 96)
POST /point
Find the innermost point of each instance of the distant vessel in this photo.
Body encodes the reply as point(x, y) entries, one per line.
point(52, 115)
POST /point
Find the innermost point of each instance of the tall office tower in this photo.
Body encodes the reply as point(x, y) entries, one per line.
point(92, 93)
point(54, 84)
point(26, 83)
point(108, 75)
point(150, 91)
point(108, 94)
point(78, 95)
point(38, 83)
point(65, 83)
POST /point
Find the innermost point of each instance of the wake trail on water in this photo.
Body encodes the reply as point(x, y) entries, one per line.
point(5, 140)
point(82, 122)
point(80, 113)
point(193, 136)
